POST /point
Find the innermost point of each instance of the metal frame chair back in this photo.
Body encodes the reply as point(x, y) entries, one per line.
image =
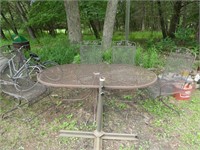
point(179, 63)
point(175, 76)
point(123, 53)
point(90, 54)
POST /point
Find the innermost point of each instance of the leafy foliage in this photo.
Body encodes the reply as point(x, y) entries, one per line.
point(59, 50)
point(47, 14)
point(147, 59)
point(93, 9)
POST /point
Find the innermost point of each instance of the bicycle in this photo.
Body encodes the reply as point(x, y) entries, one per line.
point(22, 71)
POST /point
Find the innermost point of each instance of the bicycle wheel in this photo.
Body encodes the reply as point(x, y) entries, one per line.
point(5, 75)
point(55, 73)
point(8, 85)
point(27, 78)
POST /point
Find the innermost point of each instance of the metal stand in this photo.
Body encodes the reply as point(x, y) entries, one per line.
point(98, 135)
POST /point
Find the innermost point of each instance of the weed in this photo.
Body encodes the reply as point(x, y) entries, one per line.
point(126, 148)
point(107, 56)
point(148, 58)
point(184, 35)
point(138, 56)
point(122, 106)
point(128, 97)
point(165, 45)
point(77, 59)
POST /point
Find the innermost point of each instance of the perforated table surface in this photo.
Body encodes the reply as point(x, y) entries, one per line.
point(86, 76)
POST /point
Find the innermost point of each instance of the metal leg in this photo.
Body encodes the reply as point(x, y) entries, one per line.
point(95, 103)
point(100, 106)
point(161, 99)
point(98, 135)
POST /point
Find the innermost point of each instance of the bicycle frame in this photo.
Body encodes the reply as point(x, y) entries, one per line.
point(14, 72)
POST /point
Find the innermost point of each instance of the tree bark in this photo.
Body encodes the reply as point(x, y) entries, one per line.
point(94, 28)
point(73, 21)
point(8, 23)
point(2, 35)
point(108, 28)
point(13, 22)
point(175, 19)
point(162, 21)
point(143, 17)
point(25, 20)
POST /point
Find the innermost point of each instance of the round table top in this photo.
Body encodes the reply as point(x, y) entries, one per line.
point(117, 76)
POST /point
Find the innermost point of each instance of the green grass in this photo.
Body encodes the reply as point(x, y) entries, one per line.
point(184, 127)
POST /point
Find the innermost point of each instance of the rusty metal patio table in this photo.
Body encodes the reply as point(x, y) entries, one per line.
point(100, 77)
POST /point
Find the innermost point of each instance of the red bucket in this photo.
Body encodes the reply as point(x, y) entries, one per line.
point(185, 93)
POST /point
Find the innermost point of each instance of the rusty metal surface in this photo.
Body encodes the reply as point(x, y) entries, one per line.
point(116, 76)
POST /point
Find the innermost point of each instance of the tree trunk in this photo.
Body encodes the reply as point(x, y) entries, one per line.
point(94, 28)
point(198, 35)
point(109, 23)
point(127, 20)
point(8, 23)
point(52, 31)
point(143, 17)
point(175, 19)
point(73, 21)
point(25, 20)
point(13, 22)
point(184, 15)
point(162, 22)
point(2, 35)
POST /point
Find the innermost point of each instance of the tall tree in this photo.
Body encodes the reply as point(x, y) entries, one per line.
point(162, 22)
point(109, 23)
point(7, 16)
point(12, 19)
point(47, 15)
point(93, 24)
point(73, 21)
point(2, 35)
point(93, 14)
point(175, 19)
point(25, 19)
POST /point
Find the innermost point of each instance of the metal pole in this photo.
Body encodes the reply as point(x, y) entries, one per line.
point(127, 21)
point(100, 105)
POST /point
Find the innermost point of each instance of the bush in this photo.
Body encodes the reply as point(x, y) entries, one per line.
point(184, 34)
point(147, 59)
point(138, 56)
point(165, 45)
point(56, 49)
point(107, 56)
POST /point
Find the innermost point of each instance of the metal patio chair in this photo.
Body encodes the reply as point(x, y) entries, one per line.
point(123, 52)
point(8, 86)
point(175, 76)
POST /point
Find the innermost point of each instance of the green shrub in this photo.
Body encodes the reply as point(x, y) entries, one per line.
point(138, 56)
point(148, 58)
point(56, 49)
point(165, 45)
point(107, 56)
point(184, 34)
point(77, 59)
point(153, 58)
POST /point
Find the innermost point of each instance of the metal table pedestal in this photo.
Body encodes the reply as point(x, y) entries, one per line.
point(98, 135)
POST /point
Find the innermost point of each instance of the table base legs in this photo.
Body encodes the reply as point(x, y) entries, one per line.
point(98, 136)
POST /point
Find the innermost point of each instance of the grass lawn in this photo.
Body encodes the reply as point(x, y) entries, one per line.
point(157, 127)
point(37, 127)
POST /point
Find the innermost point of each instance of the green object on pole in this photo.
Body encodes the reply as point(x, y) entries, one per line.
point(18, 39)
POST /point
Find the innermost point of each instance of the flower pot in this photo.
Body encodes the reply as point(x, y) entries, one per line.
point(184, 93)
